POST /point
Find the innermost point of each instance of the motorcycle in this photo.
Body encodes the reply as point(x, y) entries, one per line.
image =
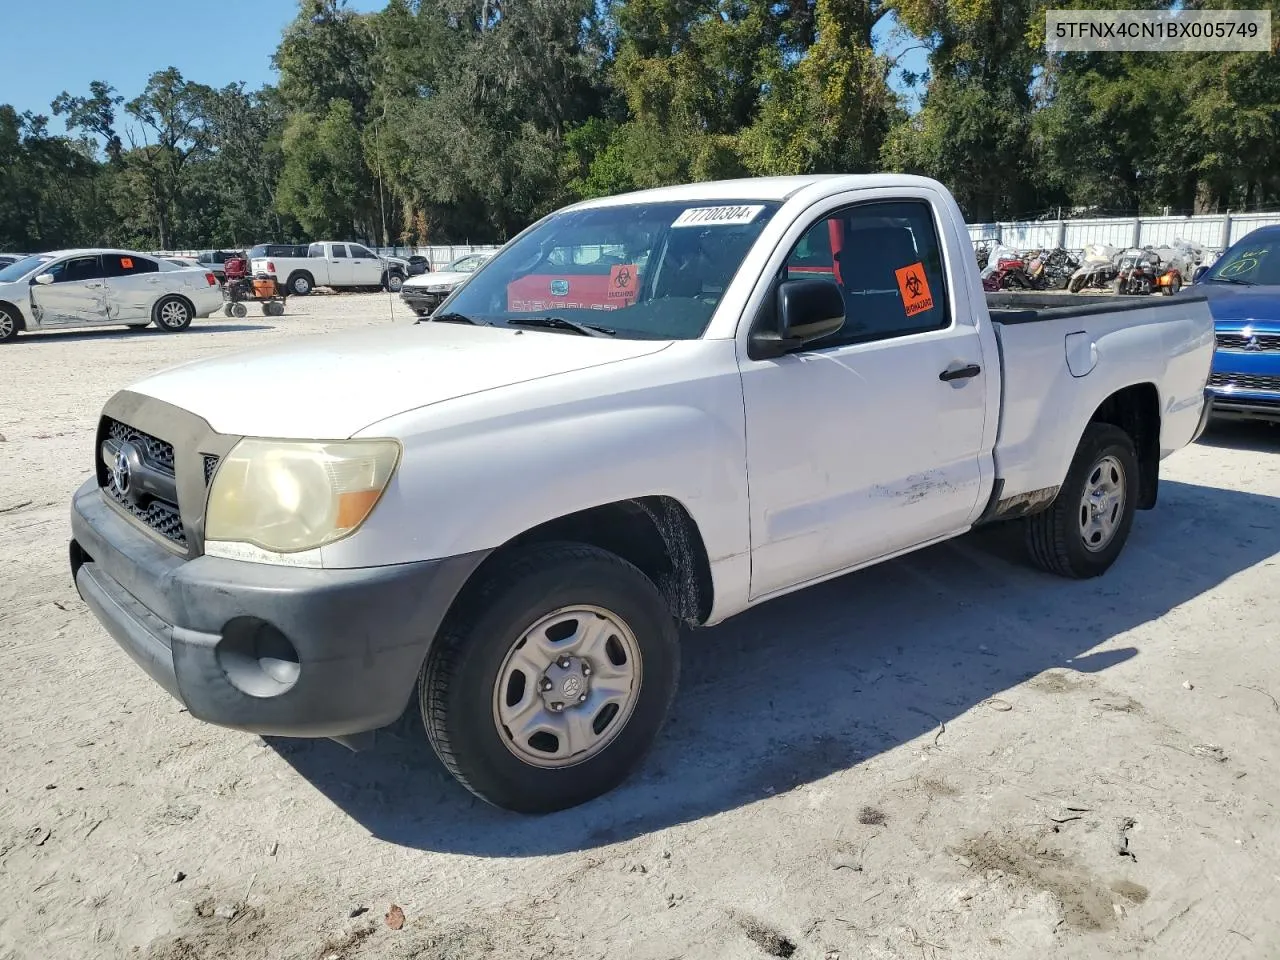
point(1141, 273)
point(1096, 271)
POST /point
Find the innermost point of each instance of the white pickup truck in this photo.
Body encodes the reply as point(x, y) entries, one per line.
point(651, 409)
point(334, 265)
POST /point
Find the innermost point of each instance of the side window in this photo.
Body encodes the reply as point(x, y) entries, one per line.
point(316, 250)
point(77, 268)
point(124, 265)
point(340, 251)
point(360, 253)
point(887, 261)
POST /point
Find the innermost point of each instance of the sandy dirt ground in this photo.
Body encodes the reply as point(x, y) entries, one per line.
point(949, 755)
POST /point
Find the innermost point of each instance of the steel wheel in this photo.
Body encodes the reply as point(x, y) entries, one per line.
point(1102, 505)
point(567, 687)
point(394, 282)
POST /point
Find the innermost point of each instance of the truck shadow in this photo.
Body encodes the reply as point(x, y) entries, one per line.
point(823, 679)
point(1242, 435)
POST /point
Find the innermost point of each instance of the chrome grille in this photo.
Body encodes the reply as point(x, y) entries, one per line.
point(1255, 343)
point(1244, 381)
point(158, 513)
point(157, 451)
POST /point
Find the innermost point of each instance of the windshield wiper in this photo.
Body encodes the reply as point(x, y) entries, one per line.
point(1243, 283)
point(560, 323)
point(453, 318)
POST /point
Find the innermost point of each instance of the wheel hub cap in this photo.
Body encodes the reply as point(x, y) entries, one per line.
point(1102, 505)
point(567, 687)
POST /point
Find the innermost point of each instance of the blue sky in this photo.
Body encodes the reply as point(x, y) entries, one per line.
point(64, 44)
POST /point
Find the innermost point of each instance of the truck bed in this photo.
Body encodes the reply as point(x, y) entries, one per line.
point(1062, 355)
point(1041, 305)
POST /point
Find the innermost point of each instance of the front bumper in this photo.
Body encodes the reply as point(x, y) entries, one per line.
point(420, 301)
point(284, 651)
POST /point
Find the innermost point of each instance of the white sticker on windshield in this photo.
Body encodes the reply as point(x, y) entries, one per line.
point(717, 216)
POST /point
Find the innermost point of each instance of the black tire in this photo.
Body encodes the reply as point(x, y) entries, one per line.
point(277, 309)
point(457, 682)
point(172, 314)
point(227, 310)
point(10, 323)
point(300, 283)
point(1054, 537)
point(393, 281)
point(239, 311)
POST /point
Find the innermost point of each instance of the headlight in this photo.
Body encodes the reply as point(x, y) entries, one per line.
point(439, 288)
point(287, 496)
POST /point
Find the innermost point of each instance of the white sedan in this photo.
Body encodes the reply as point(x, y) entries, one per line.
point(87, 288)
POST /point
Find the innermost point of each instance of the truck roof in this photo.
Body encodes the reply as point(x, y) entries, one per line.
point(756, 188)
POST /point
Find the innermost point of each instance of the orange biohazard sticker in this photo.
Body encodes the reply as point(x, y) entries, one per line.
point(623, 280)
point(126, 263)
point(914, 288)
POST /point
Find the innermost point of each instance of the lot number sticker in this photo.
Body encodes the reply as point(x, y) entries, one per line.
point(622, 282)
point(914, 288)
point(717, 216)
point(126, 263)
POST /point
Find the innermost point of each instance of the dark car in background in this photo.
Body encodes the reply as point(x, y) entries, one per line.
point(214, 261)
point(8, 258)
point(1243, 288)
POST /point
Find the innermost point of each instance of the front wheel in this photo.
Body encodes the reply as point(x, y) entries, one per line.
point(550, 683)
point(394, 282)
point(9, 325)
point(1083, 531)
point(172, 314)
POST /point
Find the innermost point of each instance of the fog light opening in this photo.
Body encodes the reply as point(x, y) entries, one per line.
point(257, 658)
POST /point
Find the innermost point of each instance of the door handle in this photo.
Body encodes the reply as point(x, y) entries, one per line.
point(960, 373)
point(92, 286)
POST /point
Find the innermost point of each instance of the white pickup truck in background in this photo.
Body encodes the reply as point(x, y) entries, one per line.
point(658, 408)
point(335, 265)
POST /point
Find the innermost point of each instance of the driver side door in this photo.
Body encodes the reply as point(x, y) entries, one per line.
point(77, 297)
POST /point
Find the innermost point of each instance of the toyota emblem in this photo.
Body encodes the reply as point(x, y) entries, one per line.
point(120, 471)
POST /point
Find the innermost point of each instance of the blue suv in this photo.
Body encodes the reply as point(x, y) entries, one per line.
point(1243, 288)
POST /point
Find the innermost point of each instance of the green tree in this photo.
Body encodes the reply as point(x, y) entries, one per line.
point(324, 181)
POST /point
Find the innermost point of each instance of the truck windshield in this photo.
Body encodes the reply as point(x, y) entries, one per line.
point(1250, 261)
point(642, 270)
point(20, 268)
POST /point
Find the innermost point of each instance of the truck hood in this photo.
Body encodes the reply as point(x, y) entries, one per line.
point(443, 278)
point(331, 386)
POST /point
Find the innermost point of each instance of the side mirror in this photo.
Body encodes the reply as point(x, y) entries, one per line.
point(1199, 272)
point(807, 310)
point(44, 279)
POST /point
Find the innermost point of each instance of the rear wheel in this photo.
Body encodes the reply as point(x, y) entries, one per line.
point(551, 681)
point(1083, 531)
point(172, 314)
point(300, 284)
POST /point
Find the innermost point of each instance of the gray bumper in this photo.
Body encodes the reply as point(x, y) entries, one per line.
point(273, 650)
point(1245, 406)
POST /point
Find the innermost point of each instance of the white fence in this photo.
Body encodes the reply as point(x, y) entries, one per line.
point(439, 255)
point(1213, 232)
